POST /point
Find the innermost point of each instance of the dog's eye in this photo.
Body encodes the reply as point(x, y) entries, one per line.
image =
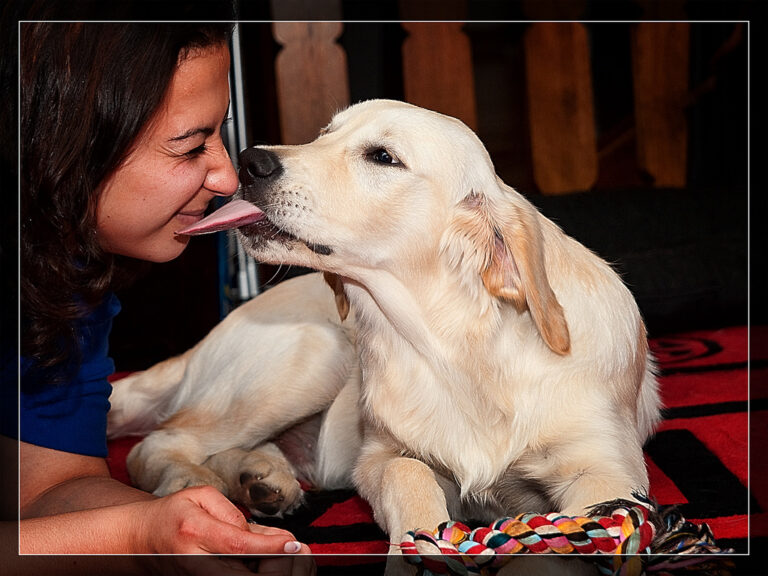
point(381, 156)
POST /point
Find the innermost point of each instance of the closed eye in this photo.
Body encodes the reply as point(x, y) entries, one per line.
point(383, 156)
point(196, 151)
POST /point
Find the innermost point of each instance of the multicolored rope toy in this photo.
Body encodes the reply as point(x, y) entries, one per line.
point(630, 532)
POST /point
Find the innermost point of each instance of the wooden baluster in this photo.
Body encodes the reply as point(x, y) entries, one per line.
point(311, 76)
point(437, 69)
point(660, 53)
point(561, 110)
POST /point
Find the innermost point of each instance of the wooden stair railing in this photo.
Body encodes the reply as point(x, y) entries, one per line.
point(312, 84)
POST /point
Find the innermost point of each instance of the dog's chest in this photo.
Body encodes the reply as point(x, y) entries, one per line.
point(449, 427)
point(442, 403)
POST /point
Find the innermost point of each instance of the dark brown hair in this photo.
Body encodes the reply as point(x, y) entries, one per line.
point(87, 90)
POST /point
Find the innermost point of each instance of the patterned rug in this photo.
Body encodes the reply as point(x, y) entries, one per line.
point(716, 397)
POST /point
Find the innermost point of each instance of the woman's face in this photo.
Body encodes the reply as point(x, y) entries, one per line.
point(176, 168)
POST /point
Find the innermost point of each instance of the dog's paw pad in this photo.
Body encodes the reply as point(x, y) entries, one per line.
point(266, 498)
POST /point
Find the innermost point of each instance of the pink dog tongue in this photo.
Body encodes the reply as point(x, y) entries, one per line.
point(232, 215)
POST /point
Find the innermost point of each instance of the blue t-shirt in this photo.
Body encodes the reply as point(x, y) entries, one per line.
point(71, 416)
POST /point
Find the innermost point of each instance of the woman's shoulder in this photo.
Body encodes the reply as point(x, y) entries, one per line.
point(90, 363)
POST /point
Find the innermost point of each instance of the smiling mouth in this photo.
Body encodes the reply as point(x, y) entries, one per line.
point(192, 216)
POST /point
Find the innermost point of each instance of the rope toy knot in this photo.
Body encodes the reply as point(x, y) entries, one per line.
point(627, 531)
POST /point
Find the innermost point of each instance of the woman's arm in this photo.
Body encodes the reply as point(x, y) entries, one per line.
point(69, 504)
point(55, 482)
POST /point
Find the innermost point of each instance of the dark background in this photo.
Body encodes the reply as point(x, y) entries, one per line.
point(683, 253)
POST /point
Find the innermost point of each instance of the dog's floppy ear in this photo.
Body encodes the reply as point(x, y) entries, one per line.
point(342, 303)
point(510, 239)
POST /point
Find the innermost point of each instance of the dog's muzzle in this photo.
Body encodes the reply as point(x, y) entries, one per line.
point(259, 170)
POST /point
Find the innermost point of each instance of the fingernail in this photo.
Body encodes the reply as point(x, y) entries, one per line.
point(292, 547)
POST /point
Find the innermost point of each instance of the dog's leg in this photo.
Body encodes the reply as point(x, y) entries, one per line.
point(595, 483)
point(167, 461)
point(340, 438)
point(241, 400)
point(404, 494)
point(140, 401)
point(582, 474)
point(261, 479)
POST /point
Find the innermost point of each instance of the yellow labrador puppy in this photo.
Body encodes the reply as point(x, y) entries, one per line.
point(489, 364)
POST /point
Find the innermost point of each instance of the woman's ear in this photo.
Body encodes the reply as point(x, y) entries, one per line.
point(514, 268)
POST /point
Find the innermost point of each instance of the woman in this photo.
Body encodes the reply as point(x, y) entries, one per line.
point(120, 148)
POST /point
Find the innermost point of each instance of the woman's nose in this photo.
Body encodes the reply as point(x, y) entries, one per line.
point(222, 178)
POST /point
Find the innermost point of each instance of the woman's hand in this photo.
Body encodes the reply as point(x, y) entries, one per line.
point(202, 520)
point(193, 521)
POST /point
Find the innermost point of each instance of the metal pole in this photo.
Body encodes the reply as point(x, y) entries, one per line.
point(248, 283)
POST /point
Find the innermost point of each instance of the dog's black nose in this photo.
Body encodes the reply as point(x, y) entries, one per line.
point(256, 164)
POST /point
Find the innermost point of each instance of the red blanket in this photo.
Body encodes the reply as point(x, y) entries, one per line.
point(715, 394)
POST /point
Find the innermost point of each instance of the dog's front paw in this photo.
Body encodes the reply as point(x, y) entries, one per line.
point(260, 479)
point(266, 484)
point(269, 495)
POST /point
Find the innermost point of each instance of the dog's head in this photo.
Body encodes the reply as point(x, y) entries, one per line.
point(394, 188)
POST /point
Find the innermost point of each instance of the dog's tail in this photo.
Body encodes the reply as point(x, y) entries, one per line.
point(140, 401)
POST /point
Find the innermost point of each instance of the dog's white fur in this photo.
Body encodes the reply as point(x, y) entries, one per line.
point(499, 364)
